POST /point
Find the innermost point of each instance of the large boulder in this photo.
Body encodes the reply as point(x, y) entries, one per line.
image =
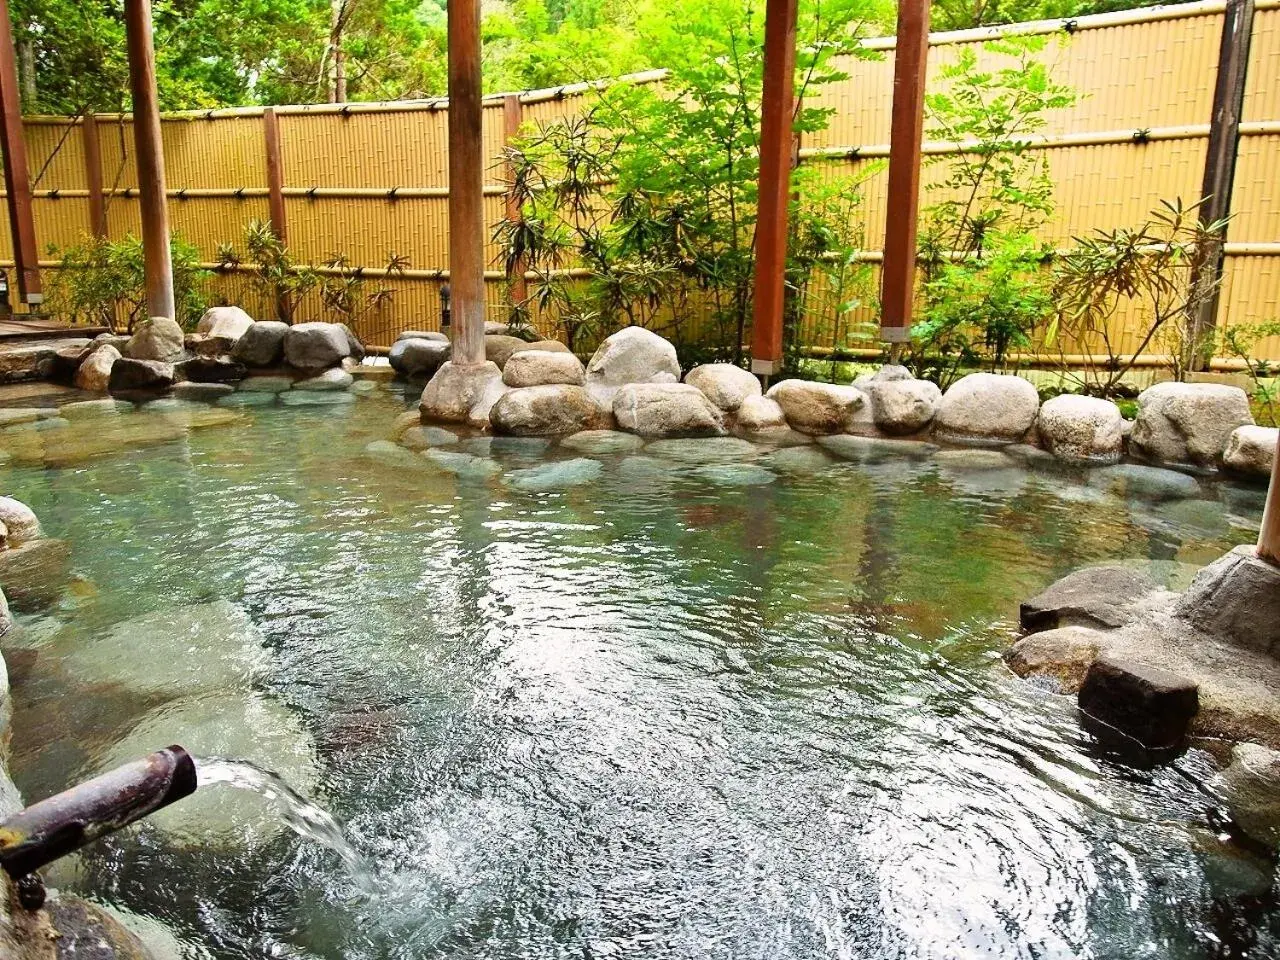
point(725, 384)
point(210, 370)
point(1081, 429)
point(1251, 451)
point(1144, 703)
point(128, 375)
point(158, 339)
point(94, 374)
point(758, 414)
point(1065, 654)
point(316, 346)
point(534, 368)
point(546, 410)
point(459, 393)
point(357, 349)
point(418, 357)
point(19, 522)
point(632, 355)
point(902, 405)
point(498, 348)
point(817, 408)
point(422, 335)
point(1102, 597)
point(1188, 422)
point(666, 410)
point(261, 344)
point(1251, 786)
point(227, 322)
point(987, 408)
point(1236, 599)
point(544, 346)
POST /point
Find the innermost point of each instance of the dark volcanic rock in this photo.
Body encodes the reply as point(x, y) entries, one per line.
point(210, 370)
point(128, 374)
point(1149, 705)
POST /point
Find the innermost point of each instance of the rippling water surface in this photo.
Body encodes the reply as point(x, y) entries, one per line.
point(646, 717)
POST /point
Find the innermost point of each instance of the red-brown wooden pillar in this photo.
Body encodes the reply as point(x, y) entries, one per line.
point(92, 143)
point(158, 266)
point(275, 175)
point(776, 151)
point(1269, 538)
point(17, 181)
point(897, 285)
point(512, 118)
point(466, 183)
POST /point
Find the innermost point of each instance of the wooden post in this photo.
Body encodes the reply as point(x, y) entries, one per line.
point(275, 195)
point(1269, 537)
point(898, 274)
point(466, 183)
point(158, 266)
point(17, 181)
point(775, 186)
point(93, 175)
point(1220, 170)
point(512, 117)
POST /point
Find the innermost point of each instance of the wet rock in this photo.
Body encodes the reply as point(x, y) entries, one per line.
point(632, 355)
point(158, 339)
point(1236, 599)
point(458, 394)
point(735, 474)
point(34, 573)
point(1251, 451)
point(603, 442)
point(799, 460)
point(498, 348)
point(518, 448)
point(265, 384)
point(1064, 653)
point(666, 410)
point(557, 475)
point(333, 379)
point(421, 437)
point(20, 521)
point(466, 466)
point(874, 450)
point(1030, 456)
point(315, 346)
point(1135, 481)
point(1081, 429)
point(1144, 703)
point(84, 931)
point(982, 473)
point(987, 408)
point(704, 450)
point(129, 375)
point(316, 398)
point(261, 345)
point(1251, 785)
point(94, 373)
point(544, 411)
point(724, 384)
point(393, 454)
point(535, 368)
point(92, 409)
point(757, 414)
point(203, 392)
point(902, 405)
point(642, 469)
point(230, 323)
point(65, 361)
point(817, 408)
point(210, 370)
point(1188, 422)
point(16, 416)
point(1102, 596)
point(418, 357)
point(250, 399)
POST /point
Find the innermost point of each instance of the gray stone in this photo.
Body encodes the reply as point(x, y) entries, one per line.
point(385, 451)
point(902, 405)
point(15, 416)
point(34, 573)
point(725, 384)
point(704, 450)
point(203, 345)
point(6, 624)
point(632, 355)
point(20, 522)
point(1081, 429)
point(261, 345)
point(421, 437)
point(535, 368)
point(1251, 451)
point(642, 469)
point(1102, 596)
point(874, 450)
point(544, 411)
point(1151, 706)
point(543, 346)
point(666, 410)
point(799, 460)
point(85, 931)
point(557, 475)
point(265, 384)
point(1251, 786)
point(498, 348)
point(465, 466)
point(250, 399)
point(332, 379)
point(987, 408)
point(1064, 654)
point(210, 370)
point(422, 335)
point(517, 448)
point(203, 392)
point(458, 393)
point(1135, 481)
point(91, 409)
point(735, 474)
point(316, 398)
point(128, 375)
point(817, 408)
point(357, 349)
point(159, 339)
point(1188, 422)
point(1236, 599)
point(227, 322)
point(316, 346)
point(494, 328)
point(757, 414)
point(94, 373)
point(603, 442)
point(418, 357)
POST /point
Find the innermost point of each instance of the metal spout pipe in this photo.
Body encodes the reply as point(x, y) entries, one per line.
point(63, 823)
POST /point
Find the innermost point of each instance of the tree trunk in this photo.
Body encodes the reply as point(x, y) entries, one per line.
point(337, 65)
point(27, 74)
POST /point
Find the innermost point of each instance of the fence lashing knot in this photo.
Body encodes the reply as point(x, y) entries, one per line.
point(1142, 135)
point(208, 115)
point(239, 193)
point(391, 194)
point(853, 153)
point(346, 110)
point(182, 193)
point(311, 193)
point(54, 193)
point(1070, 26)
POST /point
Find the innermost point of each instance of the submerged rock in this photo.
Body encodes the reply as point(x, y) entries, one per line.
point(735, 474)
point(724, 384)
point(987, 408)
point(34, 574)
point(1188, 422)
point(1135, 481)
point(465, 466)
point(799, 460)
point(203, 392)
point(704, 450)
point(603, 441)
point(421, 437)
point(385, 451)
point(874, 450)
point(85, 931)
point(1081, 429)
point(817, 408)
point(265, 384)
point(332, 379)
point(316, 398)
point(557, 475)
point(251, 399)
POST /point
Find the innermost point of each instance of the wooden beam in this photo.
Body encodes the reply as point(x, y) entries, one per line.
point(466, 183)
point(92, 142)
point(157, 264)
point(777, 151)
point(275, 175)
point(17, 180)
point(1220, 169)
point(897, 289)
point(512, 118)
point(1269, 537)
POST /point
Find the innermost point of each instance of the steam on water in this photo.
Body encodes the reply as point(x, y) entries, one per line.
point(301, 815)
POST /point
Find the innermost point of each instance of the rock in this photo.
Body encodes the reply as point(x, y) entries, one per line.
point(159, 339)
point(465, 466)
point(632, 355)
point(874, 449)
point(1064, 653)
point(364, 387)
point(735, 474)
point(1135, 481)
point(1251, 786)
point(15, 416)
point(493, 328)
point(94, 374)
point(987, 408)
point(316, 346)
point(902, 405)
point(986, 474)
point(1102, 596)
point(1144, 703)
point(267, 384)
point(544, 411)
point(760, 413)
point(1188, 422)
point(420, 437)
point(316, 398)
point(228, 322)
point(261, 345)
point(557, 475)
point(704, 450)
point(20, 522)
point(238, 724)
point(725, 385)
point(817, 408)
point(1081, 429)
point(1251, 451)
point(535, 368)
point(393, 454)
point(1236, 599)
point(1031, 456)
point(66, 361)
point(128, 374)
point(518, 448)
point(85, 931)
point(418, 357)
point(603, 442)
point(666, 410)
point(543, 346)
point(203, 392)
point(498, 348)
point(92, 409)
point(799, 460)
point(358, 352)
point(33, 574)
point(456, 390)
point(210, 370)
point(6, 618)
point(422, 335)
point(203, 345)
point(332, 379)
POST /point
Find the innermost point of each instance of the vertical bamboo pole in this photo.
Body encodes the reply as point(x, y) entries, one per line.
point(897, 284)
point(149, 149)
point(775, 186)
point(466, 183)
point(512, 117)
point(1269, 537)
point(92, 141)
point(17, 180)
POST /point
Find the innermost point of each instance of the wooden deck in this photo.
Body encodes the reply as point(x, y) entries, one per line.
point(42, 328)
